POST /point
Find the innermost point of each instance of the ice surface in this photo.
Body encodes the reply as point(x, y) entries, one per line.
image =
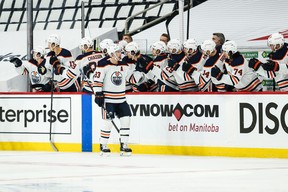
point(89, 172)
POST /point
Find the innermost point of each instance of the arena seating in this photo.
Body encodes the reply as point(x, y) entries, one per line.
point(66, 14)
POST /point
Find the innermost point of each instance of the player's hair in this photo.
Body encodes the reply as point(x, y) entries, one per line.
point(129, 36)
point(221, 37)
point(166, 35)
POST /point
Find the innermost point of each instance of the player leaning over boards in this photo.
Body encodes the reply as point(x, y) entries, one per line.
point(65, 70)
point(110, 76)
point(276, 66)
point(239, 75)
point(87, 62)
point(39, 76)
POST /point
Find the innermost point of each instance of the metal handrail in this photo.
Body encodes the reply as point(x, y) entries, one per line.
point(145, 10)
point(152, 22)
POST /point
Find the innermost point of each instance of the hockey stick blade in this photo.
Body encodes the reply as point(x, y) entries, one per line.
point(53, 146)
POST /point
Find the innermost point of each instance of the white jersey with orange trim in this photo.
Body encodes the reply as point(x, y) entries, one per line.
point(184, 81)
point(201, 76)
point(132, 66)
point(111, 80)
point(91, 57)
point(216, 60)
point(69, 76)
point(281, 77)
point(240, 75)
point(31, 68)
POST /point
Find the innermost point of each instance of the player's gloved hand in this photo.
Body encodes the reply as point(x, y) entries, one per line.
point(58, 69)
point(216, 72)
point(16, 61)
point(173, 64)
point(90, 68)
point(144, 87)
point(188, 68)
point(271, 66)
point(99, 98)
point(54, 60)
point(144, 64)
point(254, 64)
point(47, 87)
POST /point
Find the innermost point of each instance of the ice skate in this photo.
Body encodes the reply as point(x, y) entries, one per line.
point(124, 150)
point(104, 150)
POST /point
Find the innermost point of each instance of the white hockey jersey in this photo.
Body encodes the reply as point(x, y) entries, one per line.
point(86, 59)
point(281, 76)
point(31, 68)
point(111, 80)
point(240, 75)
point(69, 76)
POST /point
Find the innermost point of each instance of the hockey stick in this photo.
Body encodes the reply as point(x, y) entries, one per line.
point(51, 108)
point(103, 107)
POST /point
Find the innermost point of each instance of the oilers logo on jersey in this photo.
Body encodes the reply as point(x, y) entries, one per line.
point(35, 77)
point(117, 78)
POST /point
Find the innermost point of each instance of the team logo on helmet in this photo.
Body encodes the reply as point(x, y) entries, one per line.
point(117, 78)
point(35, 77)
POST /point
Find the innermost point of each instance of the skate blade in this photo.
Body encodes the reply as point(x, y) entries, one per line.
point(126, 154)
point(107, 154)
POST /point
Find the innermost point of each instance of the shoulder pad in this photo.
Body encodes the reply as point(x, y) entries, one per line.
point(195, 58)
point(33, 61)
point(50, 53)
point(65, 53)
point(146, 57)
point(127, 60)
point(238, 61)
point(79, 57)
point(103, 62)
point(160, 58)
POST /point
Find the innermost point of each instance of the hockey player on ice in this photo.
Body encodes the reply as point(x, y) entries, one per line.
point(39, 76)
point(111, 76)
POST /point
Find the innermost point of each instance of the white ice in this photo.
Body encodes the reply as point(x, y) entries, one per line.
point(89, 172)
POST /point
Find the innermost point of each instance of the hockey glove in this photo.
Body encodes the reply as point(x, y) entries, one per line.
point(271, 66)
point(144, 64)
point(188, 68)
point(254, 64)
point(216, 72)
point(99, 98)
point(144, 87)
point(90, 68)
point(54, 61)
point(58, 69)
point(47, 87)
point(16, 61)
point(173, 64)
